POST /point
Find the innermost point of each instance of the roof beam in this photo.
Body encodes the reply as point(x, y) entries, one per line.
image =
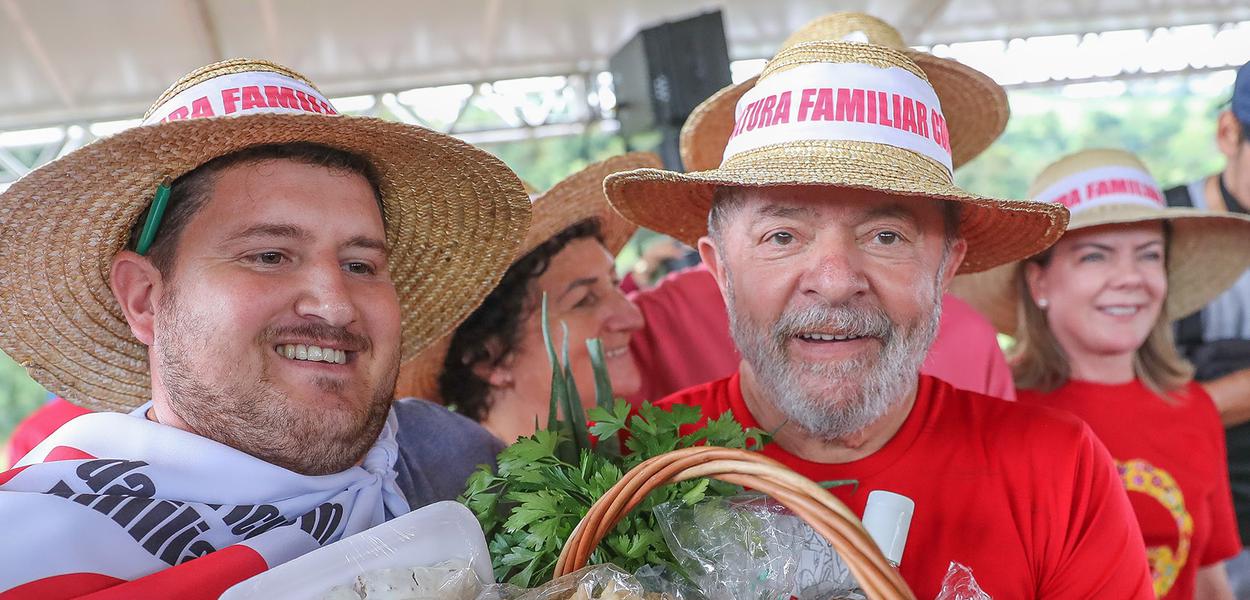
point(490, 30)
point(201, 19)
point(273, 36)
point(921, 14)
point(40, 54)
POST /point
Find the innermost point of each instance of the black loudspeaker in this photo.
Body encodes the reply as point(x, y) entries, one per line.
point(665, 71)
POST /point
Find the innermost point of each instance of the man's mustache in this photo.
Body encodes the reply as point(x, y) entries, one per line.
point(328, 335)
point(842, 320)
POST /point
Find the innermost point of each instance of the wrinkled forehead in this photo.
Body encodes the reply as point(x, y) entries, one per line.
point(831, 205)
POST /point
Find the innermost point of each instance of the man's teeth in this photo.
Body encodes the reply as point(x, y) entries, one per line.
point(824, 337)
point(312, 353)
point(1120, 311)
point(617, 353)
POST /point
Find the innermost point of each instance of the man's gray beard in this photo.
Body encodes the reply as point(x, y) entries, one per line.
point(851, 394)
point(257, 417)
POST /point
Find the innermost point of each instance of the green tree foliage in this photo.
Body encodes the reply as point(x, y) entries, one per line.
point(1173, 133)
point(19, 395)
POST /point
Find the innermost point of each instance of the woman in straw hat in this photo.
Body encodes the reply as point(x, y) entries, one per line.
point(832, 229)
point(233, 285)
point(686, 339)
point(494, 367)
point(1092, 319)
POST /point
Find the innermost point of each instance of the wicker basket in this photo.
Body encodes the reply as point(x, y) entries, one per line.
point(807, 500)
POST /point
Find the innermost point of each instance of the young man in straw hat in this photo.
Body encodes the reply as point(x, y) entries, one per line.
point(239, 278)
point(686, 340)
point(833, 228)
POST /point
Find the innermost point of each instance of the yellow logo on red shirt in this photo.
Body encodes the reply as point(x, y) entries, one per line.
point(1144, 478)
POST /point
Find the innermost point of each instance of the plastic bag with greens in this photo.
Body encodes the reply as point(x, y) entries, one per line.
point(734, 548)
point(598, 582)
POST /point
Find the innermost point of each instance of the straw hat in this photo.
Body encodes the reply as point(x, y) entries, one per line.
point(975, 106)
point(574, 199)
point(63, 223)
point(840, 114)
point(1206, 252)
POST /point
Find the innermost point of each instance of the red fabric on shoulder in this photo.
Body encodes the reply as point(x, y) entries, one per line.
point(10, 474)
point(66, 453)
point(204, 578)
point(70, 585)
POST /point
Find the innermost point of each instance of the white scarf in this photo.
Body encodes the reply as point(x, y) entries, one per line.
point(122, 497)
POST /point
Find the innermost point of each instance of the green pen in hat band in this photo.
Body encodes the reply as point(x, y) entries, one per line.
point(153, 221)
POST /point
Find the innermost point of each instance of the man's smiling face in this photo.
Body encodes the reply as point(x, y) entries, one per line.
point(833, 296)
point(278, 330)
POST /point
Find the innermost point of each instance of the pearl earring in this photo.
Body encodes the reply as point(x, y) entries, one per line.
point(1043, 303)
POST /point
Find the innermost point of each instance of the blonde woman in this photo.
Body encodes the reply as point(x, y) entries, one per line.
point(1092, 320)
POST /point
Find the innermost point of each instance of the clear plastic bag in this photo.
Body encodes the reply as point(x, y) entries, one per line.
point(736, 548)
point(598, 582)
point(449, 581)
point(431, 535)
point(666, 583)
point(959, 584)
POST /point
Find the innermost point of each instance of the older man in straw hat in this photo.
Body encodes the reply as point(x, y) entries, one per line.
point(239, 279)
point(686, 340)
point(833, 227)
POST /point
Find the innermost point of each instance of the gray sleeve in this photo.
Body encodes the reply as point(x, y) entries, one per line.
point(438, 450)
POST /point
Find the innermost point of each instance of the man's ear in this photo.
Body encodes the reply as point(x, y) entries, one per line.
point(712, 258)
point(954, 259)
point(137, 285)
point(1228, 134)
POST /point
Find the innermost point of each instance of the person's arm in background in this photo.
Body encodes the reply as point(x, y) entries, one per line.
point(1211, 583)
point(1231, 394)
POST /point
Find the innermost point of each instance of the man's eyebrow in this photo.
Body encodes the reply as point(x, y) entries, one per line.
point(896, 211)
point(784, 211)
point(269, 230)
point(368, 243)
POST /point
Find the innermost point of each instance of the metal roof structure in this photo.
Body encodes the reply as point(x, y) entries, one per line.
point(64, 61)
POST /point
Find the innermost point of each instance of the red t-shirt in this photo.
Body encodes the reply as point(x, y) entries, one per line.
point(1171, 459)
point(686, 341)
point(1026, 497)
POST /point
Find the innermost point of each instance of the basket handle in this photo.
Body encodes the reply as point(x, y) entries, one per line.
point(807, 500)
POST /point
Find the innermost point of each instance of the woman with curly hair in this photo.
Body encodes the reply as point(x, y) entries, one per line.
point(494, 367)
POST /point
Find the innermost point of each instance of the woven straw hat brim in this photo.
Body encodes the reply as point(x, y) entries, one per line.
point(1207, 253)
point(677, 204)
point(455, 218)
point(576, 198)
point(580, 197)
point(975, 108)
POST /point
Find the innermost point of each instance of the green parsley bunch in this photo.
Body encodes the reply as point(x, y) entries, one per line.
point(547, 482)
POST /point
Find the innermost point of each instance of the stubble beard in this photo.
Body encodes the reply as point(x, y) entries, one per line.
point(257, 417)
point(832, 401)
